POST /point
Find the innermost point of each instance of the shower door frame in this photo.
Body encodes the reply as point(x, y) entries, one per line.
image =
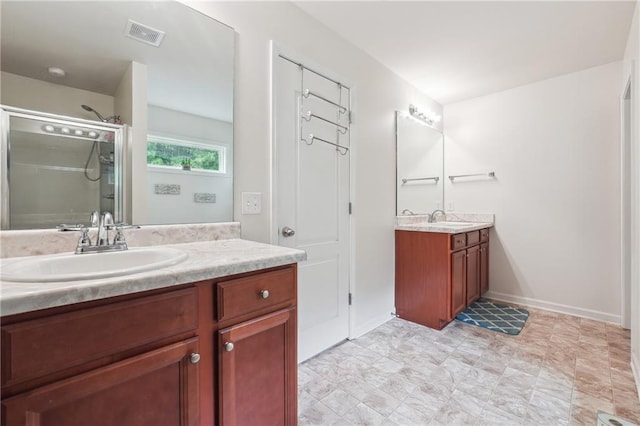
point(7, 112)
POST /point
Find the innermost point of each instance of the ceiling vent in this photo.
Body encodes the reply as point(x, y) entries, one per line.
point(144, 33)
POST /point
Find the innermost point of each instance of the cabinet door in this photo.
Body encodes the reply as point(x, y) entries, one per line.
point(258, 371)
point(156, 388)
point(458, 284)
point(473, 274)
point(484, 268)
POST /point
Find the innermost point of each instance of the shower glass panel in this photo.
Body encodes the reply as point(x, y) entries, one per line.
point(58, 170)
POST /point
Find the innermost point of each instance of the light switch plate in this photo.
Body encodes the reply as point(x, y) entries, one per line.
point(251, 202)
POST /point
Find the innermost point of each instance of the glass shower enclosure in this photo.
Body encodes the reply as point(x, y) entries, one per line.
point(57, 169)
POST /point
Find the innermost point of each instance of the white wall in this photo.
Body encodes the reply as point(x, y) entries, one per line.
point(631, 64)
point(131, 103)
point(554, 148)
point(38, 95)
point(377, 94)
point(167, 209)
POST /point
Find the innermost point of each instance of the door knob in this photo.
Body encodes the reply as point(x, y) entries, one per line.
point(288, 232)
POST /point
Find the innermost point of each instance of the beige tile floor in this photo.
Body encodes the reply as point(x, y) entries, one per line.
point(559, 370)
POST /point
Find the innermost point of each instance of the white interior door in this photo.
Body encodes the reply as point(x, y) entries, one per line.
point(312, 201)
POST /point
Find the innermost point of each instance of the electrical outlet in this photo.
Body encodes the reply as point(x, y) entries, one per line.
point(450, 206)
point(251, 202)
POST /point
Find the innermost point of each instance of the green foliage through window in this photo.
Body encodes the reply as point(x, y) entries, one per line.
point(175, 155)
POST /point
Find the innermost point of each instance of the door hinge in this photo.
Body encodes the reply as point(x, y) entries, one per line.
point(350, 299)
point(350, 207)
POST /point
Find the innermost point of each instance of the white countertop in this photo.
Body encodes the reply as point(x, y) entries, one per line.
point(443, 227)
point(206, 260)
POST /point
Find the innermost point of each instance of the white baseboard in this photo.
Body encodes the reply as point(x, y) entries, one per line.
point(362, 329)
point(635, 368)
point(554, 307)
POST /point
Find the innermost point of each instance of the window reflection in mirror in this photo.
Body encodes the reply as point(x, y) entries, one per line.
point(181, 89)
point(420, 165)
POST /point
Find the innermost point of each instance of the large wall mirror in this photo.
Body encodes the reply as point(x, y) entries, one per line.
point(161, 69)
point(420, 166)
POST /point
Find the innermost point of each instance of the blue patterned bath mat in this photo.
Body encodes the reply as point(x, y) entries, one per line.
point(494, 316)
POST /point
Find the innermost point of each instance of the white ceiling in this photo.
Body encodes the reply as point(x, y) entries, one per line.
point(192, 70)
point(454, 50)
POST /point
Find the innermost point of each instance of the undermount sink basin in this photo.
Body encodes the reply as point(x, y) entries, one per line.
point(75, 267)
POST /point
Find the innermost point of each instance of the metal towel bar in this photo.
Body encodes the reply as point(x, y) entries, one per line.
point(434, 178)
point(339, 147)
point(488, 174)
point(308, 93)
point(309, 115)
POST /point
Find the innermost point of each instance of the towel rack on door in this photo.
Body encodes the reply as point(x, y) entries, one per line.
point(339, 147)
point(309, 115)
point(308, 93)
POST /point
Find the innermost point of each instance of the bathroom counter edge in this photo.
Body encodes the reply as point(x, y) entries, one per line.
point(206, 260)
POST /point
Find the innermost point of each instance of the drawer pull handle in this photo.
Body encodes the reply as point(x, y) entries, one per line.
point(264, 294)
point(228, 346)
point(194, 358)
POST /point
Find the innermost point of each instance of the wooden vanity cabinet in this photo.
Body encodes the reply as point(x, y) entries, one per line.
point(125, 362)
point(472, 258)
point(257, 343)
point(439, 274)
point(154, 358)
point(484, 260)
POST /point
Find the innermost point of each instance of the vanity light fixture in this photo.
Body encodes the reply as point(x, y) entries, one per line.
point(429, 117)
point(66, 131)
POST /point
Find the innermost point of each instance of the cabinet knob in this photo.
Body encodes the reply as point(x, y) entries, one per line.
point(194, 358)
point(228, 346)
point(264, 294)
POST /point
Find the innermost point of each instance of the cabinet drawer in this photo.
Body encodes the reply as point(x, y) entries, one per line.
point(484, 235)
point(473, 237)
point(458, 241)
point(38, 347)
point(254, 293)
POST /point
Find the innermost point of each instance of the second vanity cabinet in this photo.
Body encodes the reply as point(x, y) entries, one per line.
point(219, 351)
point(439, 274)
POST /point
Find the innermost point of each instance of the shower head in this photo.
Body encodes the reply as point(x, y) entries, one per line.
point(111, 119)
point(88, 108)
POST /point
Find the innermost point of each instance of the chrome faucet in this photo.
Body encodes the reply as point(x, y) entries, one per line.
point(432, 216)
point(104, 222)
point(104, 225)
point(407, 211)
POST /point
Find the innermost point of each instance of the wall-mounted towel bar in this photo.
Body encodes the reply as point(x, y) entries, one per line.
point(343, 150)
point(309, 115)
point(488, 174)
point(434, 178)
point(308, 93)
